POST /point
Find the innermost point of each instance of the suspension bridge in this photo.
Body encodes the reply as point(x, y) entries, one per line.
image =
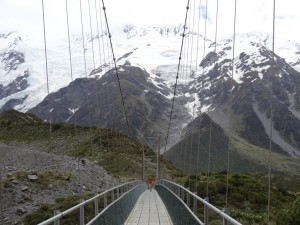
point(133, 203)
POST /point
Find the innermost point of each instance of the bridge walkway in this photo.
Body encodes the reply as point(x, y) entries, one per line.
point(149, 210)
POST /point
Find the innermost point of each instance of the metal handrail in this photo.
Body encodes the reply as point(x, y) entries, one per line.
point(55, 218)
point(225, 216)
point(107, 208)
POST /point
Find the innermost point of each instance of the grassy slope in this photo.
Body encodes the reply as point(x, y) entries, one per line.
point(117, 153)
point(244, 157)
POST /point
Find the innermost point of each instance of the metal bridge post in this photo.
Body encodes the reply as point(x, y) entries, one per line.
point(112, 195)
point(206, 212)
point(96, 206)
point(225, 222)
point(81, 213)
point(188, 198)
point(195, 204)
point(118, 192)
point(105, 200)
point(56, 222)
point(143, 160)
point(182, 194)
point(122, 190)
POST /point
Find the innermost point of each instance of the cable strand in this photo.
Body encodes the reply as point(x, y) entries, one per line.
point(116, 69)
point(177, 75)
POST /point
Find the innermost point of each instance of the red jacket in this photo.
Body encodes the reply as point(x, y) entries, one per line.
point(150, 180)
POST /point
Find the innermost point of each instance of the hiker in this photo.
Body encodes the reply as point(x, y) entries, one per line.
point(150, 182)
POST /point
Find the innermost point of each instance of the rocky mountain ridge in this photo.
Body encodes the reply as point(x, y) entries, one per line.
point(205, 88)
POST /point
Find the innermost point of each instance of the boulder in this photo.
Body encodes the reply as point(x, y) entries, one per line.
point(32, 177)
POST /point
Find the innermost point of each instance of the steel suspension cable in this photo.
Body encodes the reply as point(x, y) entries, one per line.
point(47, 78)
point(92, 38)
point(86, 75)
point(99, 45)
point(47, 73)
point(96, 88)
point(204, 52)
point(106, 105)
point(83, 42)
point(70, 61)
point(185, 81)
point(191, 60)
point(177, 75)
point(69, 41)
point(205, 29)
point(100, 62)
point(230, 107)
point(188, 45)
point(199, 133)
point(116, 69)
point(211, 120)
point(101, 24)
point(271, 116)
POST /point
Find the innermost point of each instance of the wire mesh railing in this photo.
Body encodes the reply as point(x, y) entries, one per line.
point(113, 200)
point(182, 205)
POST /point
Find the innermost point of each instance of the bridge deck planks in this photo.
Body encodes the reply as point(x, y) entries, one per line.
point(149, 210)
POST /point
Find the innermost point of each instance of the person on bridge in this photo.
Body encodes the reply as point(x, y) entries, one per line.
point(150, 182)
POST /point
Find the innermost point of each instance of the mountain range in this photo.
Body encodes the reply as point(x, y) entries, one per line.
point(147, 65)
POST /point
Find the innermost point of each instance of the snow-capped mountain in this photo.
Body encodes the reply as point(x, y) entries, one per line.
point(23, 72)
point(204, 85)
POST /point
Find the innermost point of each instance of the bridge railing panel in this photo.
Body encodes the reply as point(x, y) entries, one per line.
point(105, 199)
point(190, 201)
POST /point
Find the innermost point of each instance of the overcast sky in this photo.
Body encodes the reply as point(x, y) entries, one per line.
point(252, 15)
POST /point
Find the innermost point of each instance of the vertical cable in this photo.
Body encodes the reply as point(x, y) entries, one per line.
point(99, 46)
point(101, 24)
point(83, 42)
point(86, 75)
point(196, 71)
point(204, 52)
point(191, 62)
point(271, 116)
point(70, 52)
point(71, 65)
point(231, 100)
point(177, 75)
point(205, 30)
point(185, 81)
point(47, 73)
point(92, 38)
point(210, 125)
point(94, 68)
point(116, 69)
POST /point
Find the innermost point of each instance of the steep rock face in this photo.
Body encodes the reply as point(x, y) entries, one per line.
point(13, 74)
point(17, 85)
point(257, 80)
point(205, 147)
point(149, 96)
point(98, 102)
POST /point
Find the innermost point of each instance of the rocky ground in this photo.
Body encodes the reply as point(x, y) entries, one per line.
point(32, 177)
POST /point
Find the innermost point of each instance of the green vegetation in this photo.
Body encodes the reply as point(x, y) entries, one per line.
point(62, 204)
point(44, 178)
point(121, 157)
point(119, 154)
point(248, 197)
point(244, 156)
